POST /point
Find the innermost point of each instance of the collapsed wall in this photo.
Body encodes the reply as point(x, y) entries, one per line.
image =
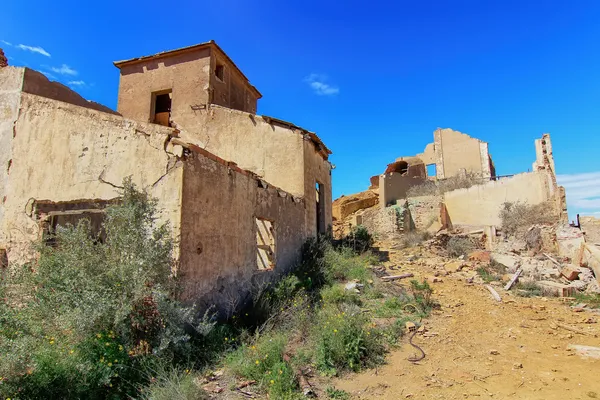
point(65, 162)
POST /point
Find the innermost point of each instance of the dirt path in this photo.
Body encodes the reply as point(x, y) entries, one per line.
point(478, 348)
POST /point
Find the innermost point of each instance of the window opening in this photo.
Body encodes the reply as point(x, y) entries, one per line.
point(162, 108)
point(320, 206)
point(431, 170)
point(265, 244)
point(220, 72)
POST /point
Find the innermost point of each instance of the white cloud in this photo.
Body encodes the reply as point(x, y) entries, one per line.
point(320, 86)
point(583, 192)
point(48, 75)
point(34, 49)
point(64, 70)
point(76, 83)
point(6, 43)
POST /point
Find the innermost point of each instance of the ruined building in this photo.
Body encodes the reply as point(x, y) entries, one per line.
point(241, 191)
point(452, 155)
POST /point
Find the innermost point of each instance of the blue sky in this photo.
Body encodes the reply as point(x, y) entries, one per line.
point(373, 79)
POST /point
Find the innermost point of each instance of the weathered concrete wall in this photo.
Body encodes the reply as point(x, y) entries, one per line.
point(271, 151)
point(63, 152)
point(460, 151)
point(37, 83)
point(218, 231)
point(316, 169)
point(234, 91)
point(394, 186)
point(481, 204)
point(11, 81)
point(187, 75)
point(591, 227)
point(425, 212)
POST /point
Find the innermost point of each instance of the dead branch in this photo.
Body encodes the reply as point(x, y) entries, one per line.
point(395, 277)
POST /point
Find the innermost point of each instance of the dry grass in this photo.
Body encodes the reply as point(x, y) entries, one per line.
point(517, 217)
point(433, 188)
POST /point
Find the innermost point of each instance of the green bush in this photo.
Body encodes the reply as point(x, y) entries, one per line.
point(263, 361)
point(345, 340)
point(359, 239)
point(337, 294)
point(90, 310)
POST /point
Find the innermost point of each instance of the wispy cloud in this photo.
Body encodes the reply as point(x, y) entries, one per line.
point(318, 83)
point(583, 192)
point(34, 49)
point(48, 75)
point(64, 70)
point(76, 83)
point(6, 43)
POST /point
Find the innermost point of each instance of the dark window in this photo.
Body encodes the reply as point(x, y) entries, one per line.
point(162, 108)
point(220, 72)
point(320, 205)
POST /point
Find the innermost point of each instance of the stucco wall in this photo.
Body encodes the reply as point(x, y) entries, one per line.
point(480, 204)
point(218, 239)
point(60, 152)
point(394, 186)
point(316, 170)
point(187, 75)
point(37, 83)
point(11, 81)
point(460, 151)
point(271, 151)
point(233, 91)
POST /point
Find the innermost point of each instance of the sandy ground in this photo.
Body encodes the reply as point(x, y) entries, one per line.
point(478, 348)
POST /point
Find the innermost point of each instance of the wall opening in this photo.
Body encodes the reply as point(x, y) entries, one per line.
point(320, 206)
point(220, 72)
point(431, 170)
point(161, 107)
point(265, 244)
point(54, 215)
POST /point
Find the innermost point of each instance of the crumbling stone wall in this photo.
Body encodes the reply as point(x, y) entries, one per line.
point(210, 204)
point(3, 60)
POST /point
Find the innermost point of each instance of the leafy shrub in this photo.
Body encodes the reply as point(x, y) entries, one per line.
point(337, 394)
point(459, 246)
point(90, 310)
point(422, 292)
point(337, 294)
point(518, 216)
point(359, 240)
point(263, 361)
point(344, 340)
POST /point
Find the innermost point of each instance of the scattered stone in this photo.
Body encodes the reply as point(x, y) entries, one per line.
point(213, 387)
point(569, 272)
point(556, 289)
point(517, 365)
point(494, 352)
point(585, 351)
point(354, 285)
point(481, 256)
point(511, 262)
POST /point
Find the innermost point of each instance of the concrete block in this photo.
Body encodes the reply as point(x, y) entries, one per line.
point(570, 273)
point(556, 289)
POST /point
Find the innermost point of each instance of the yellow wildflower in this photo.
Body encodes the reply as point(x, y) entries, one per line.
point(256, 362)
point(272, 381)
